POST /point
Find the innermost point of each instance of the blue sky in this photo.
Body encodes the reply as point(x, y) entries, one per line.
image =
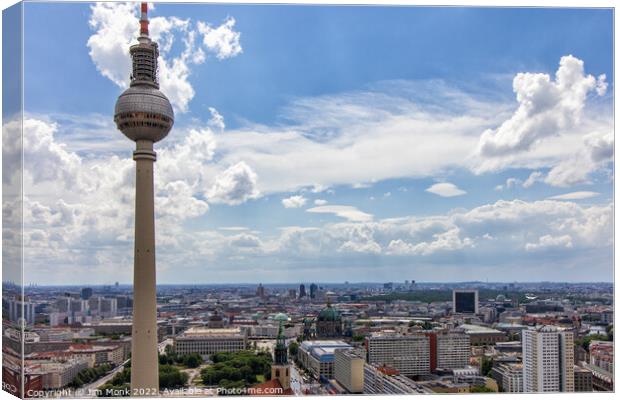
point(324, 142)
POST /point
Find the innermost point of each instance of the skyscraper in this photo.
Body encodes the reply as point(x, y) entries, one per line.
point(144, 115)
point(548, 359)
point(302, 290)
point(464, 301)
point(313, 290)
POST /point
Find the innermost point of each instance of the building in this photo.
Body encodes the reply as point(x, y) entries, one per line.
point(409, 354)
point(449, 349)
point(20, 309)
point(206, 341)
point(260, 291)
point(302, 291)
point(483, 335)
point(57, 375)
point(349, 369)
point(465, 301)
point(601, 365)
point(548, 359)
point(385, 380)
point(329, 323)
point(509, 377)
point(314, 289)
point(583, 379)
point(86, 293)
point(318, 356)
point(144, 114)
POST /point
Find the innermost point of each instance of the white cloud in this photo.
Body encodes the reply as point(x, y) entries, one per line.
point(217, 120)
point(550, 242)
point(223, 41)
point(575, 196)
point(546, 108)
point(294, 202)
point(347, 212)
point(446, 189)
point(116, 27)
point(235, 185)
point(534, 177)
point(320, 202)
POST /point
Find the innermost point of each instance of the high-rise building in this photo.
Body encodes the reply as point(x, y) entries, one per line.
point(465, 301)
point(449, 349)
point(86, 293)
point(349, 369)
point(409, 354)
point(144, 114)
point(260, 291)
point(302, 291)
point(548, 360)
point(313, 291)
point(21, 310)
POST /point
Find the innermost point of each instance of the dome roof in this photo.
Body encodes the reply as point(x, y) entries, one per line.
point(329, 314)
point(280, 317)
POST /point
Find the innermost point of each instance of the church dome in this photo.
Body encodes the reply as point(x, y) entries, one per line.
point(329, 314)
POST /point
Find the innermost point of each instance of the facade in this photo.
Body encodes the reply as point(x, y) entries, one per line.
point(21, 309)
point(57, 375)
point(86, 293)
point(483, 335)
point(318, 356)
point(206, 342)
point(601, 365)
point(349, 370)
point(583, 379)
point(465, 301)
point(453, 350)
point(509, 377)
point(548, 360)
point(383, 380)
point(409, 354)
point(329, 323)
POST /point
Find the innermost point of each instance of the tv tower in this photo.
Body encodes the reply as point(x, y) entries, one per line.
point(144, 115)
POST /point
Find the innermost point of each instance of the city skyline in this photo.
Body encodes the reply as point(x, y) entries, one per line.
point(292, 164)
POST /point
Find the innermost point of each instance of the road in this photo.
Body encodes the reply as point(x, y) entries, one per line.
point(91, 387)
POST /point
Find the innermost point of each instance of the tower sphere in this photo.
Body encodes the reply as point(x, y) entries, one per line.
point(142, 112)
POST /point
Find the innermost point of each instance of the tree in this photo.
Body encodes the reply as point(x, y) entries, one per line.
point(486, 364)
point(481, 389)
point(293, 348)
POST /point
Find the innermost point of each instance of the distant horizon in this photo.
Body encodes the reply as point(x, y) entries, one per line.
point(319, 283)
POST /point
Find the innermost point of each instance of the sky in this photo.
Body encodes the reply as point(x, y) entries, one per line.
point(324, 143)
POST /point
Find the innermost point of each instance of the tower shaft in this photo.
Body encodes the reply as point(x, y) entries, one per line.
point(144, 357)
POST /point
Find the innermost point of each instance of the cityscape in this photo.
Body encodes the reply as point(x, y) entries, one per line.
point(365, 338)
point(381, 213)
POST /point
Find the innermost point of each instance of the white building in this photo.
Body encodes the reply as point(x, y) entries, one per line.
point(318, 356)
point(453, 350)
point(409, 354)
point(207, 341)
point(548, 359)
point(57, 375)
point(349, 369)
point(509, 377)
point(381, 380)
